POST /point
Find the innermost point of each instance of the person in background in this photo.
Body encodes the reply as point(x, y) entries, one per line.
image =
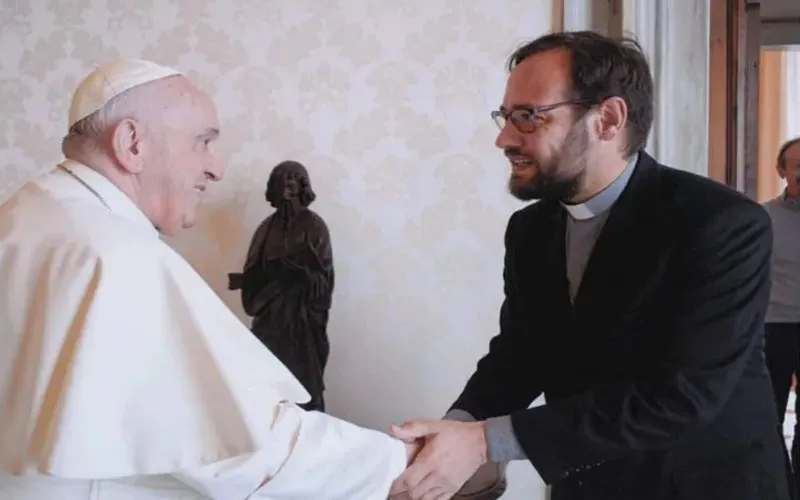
point(635, 297)
point(122, 374)
point(782, 344)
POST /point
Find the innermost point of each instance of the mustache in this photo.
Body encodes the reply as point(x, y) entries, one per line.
point(513, 151)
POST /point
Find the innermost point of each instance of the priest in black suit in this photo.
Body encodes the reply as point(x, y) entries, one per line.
point(635, 297)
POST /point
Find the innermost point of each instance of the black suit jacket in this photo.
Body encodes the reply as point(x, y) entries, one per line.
point(655, 377)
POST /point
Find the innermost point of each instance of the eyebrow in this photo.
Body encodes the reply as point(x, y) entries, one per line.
point(518, 106)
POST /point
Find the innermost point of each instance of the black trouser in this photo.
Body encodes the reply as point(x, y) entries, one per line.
point(782, 350)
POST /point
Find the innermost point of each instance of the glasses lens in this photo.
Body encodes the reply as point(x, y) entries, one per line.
point(499, 119)
point(524, 120)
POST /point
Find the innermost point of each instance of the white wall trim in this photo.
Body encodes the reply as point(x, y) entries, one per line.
point(675, 35)
point(642, 21)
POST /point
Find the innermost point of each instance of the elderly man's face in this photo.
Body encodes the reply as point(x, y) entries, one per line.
point(178, 156)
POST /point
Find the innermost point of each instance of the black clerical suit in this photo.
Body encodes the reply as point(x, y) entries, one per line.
point(654, 378)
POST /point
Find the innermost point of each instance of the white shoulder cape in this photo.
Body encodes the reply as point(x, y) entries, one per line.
point(117, 359)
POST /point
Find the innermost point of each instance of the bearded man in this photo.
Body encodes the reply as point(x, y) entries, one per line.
point(635, 297)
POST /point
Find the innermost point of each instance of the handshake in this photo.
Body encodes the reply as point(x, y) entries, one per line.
point(447, 459)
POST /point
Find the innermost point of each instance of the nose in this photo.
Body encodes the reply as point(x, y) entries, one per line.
point(508, 137)
point(215, 171)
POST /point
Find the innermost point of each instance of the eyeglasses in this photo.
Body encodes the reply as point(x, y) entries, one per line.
point(527, 120)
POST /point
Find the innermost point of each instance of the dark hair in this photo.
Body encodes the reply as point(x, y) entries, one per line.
point(604, 67)
point(306, 195)
point(784, 149)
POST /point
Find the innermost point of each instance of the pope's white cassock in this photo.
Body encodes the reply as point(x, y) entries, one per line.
point(124, 377)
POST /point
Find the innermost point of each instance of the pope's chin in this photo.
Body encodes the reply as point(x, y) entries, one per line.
point(179, 222)
point(189, 219)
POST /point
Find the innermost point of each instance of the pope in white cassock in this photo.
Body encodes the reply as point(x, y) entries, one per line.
point(122, 375)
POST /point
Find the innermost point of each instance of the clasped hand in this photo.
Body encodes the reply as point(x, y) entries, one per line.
point(451, 452)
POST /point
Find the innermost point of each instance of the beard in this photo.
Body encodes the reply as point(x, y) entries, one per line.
point(559, 177)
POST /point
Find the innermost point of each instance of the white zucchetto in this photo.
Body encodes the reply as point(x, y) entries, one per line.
point(109, 81)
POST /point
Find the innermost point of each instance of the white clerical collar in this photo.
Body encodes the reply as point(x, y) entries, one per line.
point(581, 211)
point(603, 200)
point(107, 193)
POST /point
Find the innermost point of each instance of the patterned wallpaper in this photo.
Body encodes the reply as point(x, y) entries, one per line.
point(387, 103)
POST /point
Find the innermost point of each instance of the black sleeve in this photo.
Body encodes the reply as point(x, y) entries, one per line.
point(717, 311)
point(507, 379)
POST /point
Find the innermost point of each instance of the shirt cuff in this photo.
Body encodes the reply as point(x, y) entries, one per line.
point(501, 440)
point(459, 415)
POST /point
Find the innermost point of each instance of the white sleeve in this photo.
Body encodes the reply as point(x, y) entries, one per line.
point(312, 455)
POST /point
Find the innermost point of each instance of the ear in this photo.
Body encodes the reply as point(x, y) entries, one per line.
point(613, 118)
point(127, 145)
point(781, 168)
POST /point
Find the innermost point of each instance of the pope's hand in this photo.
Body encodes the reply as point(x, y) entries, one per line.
point(451, 454)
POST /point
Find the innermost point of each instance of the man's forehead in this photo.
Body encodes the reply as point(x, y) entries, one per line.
point(204, 112)
point(185, 102)
point(541, 79)
point(793, 151)
point(202, 101)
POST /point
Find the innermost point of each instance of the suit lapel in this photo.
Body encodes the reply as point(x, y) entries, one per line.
point(628, 247)
point(542, 261)
point(557, 259)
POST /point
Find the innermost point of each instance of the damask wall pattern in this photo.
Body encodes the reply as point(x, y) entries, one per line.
point(387, 103)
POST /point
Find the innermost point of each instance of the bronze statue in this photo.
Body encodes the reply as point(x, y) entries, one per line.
point(287, 280)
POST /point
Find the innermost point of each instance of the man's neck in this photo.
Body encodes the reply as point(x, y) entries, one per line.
point(598, 179)
point(103, 166)
point(126, 183)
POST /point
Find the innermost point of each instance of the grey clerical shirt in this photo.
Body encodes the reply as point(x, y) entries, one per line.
point(584, 223)
point(784, 303)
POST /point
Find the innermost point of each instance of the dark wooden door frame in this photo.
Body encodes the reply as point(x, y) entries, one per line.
point(733, 94)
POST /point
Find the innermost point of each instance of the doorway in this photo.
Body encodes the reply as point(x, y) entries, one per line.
point(754, 100)
point(778, 114)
